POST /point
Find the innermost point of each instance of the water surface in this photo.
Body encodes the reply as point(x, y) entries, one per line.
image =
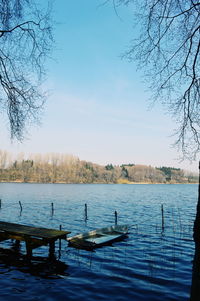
point(151, 264)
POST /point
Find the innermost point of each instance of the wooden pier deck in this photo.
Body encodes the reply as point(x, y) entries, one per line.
point(34, 237)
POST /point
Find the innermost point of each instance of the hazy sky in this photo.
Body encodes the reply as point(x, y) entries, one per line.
point(98, 108)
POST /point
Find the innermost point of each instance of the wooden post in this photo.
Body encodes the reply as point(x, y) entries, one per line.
point(16, 245)
point(52, 209)
point(116, 217)
point(20, 204)
point(52, 249)
point(163, 223)
point(86, 215)
point(60, 241)
point(28, 250)
point(0, 203)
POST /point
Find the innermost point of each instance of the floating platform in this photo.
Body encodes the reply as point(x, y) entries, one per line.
point(34, 237)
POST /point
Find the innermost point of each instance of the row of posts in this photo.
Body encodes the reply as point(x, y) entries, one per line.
point(115, 214)
point(86, 213)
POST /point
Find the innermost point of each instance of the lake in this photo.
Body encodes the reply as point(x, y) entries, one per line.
point(152, 263)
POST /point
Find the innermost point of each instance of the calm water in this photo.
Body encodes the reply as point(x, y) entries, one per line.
point(150, 264)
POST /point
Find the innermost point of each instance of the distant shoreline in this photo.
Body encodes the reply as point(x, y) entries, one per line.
point(130, 183)
point(67, 169)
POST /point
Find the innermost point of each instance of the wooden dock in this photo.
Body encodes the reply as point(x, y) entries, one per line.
point(34, 237)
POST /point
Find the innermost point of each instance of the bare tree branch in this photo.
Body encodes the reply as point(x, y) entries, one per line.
point(167, 47)
point(25, 34)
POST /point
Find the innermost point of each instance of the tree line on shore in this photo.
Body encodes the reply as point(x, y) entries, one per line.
point(62, 168)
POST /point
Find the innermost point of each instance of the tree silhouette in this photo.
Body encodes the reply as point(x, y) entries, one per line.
point(167, 47)
point(25, 36)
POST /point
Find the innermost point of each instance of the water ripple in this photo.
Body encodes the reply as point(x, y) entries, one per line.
point(151, 264)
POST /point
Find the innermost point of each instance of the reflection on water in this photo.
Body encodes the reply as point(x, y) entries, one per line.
point(11, 259)
point(153, 263)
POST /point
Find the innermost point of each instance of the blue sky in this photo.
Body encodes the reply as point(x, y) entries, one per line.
point(98, 108)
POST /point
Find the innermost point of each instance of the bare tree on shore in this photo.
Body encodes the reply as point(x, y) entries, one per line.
point(25, 36)
point(166, 46)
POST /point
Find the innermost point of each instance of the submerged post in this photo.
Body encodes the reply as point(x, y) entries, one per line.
point(116, 217)
point(20, 204)
point(52, 209)
point(163, 222)
point(86, 215)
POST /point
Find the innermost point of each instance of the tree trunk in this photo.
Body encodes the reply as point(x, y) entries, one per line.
point(195, 288)
point(196, 233)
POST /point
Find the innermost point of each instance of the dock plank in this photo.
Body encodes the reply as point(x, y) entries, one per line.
point(33, 236)
point(43, 233)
